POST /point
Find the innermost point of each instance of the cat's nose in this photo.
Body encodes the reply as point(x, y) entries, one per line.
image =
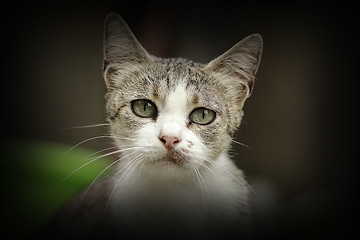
point(169, 142)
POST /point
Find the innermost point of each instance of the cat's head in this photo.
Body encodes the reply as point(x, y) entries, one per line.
point(174, 112)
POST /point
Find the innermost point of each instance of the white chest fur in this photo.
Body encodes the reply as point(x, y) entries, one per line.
point(150, 199)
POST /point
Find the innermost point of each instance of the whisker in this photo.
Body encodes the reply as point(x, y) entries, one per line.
point(100, 151)
point(101, 156)
point(198, 177)
point(142, 165)
point(95, 138)
point(116, 161)
point(131, 163)
point(202, 184)
point(242, 144)
point(125, 164)
point(84, 141)
point(88, 188)
point(241, 181)
point(137, 161)
point(204, 165)
point(124, 138)
point(103, 150)
point(254, 193)
point(119, 171)
point(87, 126)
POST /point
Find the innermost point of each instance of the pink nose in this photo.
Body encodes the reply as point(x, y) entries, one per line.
point(169, 142)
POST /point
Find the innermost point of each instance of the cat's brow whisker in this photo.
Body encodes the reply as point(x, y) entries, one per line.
point(241, 144)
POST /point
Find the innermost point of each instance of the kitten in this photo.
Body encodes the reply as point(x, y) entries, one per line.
point(173, 121)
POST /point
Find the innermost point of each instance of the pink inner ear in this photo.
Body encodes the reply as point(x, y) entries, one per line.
point(111, 71)
point(242, 87)
point(109, 77)
point(242, 92)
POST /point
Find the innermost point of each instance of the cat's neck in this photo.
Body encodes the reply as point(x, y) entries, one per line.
point(187, 198)
point(218, 180)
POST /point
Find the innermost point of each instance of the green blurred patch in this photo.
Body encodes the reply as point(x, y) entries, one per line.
point(33, 173)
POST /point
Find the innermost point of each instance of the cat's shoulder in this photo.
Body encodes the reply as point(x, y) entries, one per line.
point(82, 214)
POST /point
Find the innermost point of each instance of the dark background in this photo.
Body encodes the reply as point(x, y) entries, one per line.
point(299, 122)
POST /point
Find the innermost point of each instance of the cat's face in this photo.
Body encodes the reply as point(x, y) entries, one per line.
point(174, 113)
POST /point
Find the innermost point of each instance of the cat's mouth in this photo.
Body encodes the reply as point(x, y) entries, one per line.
point(176, 157)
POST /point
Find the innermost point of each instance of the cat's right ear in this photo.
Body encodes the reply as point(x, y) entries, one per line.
point(237, 67)
point(121, 49)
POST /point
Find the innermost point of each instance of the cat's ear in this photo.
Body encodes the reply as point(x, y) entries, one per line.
point(121, 48)
point(239, 64)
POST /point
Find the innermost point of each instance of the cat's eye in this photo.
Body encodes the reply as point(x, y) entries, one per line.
point(202, 116)
point(144, 108)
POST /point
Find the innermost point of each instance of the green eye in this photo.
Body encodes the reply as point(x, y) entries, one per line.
point(202, 116)
point(144, 108)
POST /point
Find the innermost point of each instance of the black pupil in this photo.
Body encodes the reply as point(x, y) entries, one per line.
point(203, 113)
point(146, 105)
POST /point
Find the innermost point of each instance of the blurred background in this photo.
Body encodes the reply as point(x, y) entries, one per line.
point(299, 121)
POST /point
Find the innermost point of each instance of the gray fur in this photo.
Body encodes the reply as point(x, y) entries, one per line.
point(223, 85)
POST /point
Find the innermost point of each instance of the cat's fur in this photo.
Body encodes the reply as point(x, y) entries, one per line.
point(194, 189)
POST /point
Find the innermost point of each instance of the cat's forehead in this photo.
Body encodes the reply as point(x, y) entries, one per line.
point(179, 71)
point(168, 74)
point(186, 84)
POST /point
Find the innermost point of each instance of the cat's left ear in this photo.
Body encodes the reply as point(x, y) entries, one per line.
point(122, 51)
point(120, 44)
point(239, 64)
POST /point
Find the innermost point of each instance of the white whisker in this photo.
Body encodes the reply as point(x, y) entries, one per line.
point(84, 141)
point(142, 165)
point(253, 192)
point(88, 188)
point(202, 184)
point(241, 181)
point(136, 160)
point(100, 151)
point(126, 167)
point(87, 126)
point(204, 165)
point(125, 138)
point(101, 156)
point(241, 144)
point(125, 164)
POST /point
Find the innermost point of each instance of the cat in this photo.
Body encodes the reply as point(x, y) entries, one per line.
point(172, 121)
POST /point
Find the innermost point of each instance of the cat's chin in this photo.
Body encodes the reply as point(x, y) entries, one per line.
point(176, 157)
point(170, 165)
point(173, 158)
